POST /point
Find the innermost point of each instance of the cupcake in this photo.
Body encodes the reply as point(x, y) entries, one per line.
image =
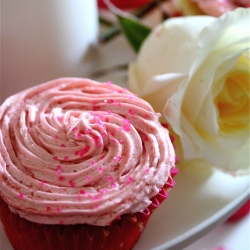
point(83, 165)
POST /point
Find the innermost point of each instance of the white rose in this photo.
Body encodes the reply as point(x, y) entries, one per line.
point(195, 70)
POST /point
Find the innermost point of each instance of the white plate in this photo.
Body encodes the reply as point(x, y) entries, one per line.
point(201, 200)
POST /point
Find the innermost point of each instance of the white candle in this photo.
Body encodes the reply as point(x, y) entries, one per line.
point(44, 39)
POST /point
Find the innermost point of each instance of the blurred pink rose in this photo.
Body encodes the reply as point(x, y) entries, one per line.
point(209, 7)
point(218, 7)
point(124, 4)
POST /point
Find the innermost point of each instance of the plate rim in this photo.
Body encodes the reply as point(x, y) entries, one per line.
point(206, 226)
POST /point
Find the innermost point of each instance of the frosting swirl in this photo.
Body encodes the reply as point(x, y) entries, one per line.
point(77, 151)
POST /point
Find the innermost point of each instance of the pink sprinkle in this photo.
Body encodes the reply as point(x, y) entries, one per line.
point(55, 158)
point(176, 158)
point(42, 183)
point(117, 158)
point(100, 169)
point(120, 141)
point(130, 179)
point(96, 198)
point(21, 196)
point(147, 171)
point(106, 119)
point(56, 136)
point(58, 171)
point(95, 138)
point(118, 217)
point(61, 222)
point(85, 150)
point(48, 209)
point(98, 121)
point(80, 134)
point(76, 152)
point(78, 197)
point(102, 191)
point(131, 112)
point(61, 178)
point(82, 191)
point(109, 112)
point(92, 163)
point(88, 177)
point(113, 140)
point(113, 185)
point(63, 145)
point(108, 82)
point(74, 129)
point(89, 130)
point(110, 178)
point(66, 158)
point(103, 156)
point(126, 127)
point(72, 184)
point(59, 118)
point(104, 135)
point(96, 206)
point(58, 210)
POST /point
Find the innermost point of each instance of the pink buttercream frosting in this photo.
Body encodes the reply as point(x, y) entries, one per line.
point(77, 151)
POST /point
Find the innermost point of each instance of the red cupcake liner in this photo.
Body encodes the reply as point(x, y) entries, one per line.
point(121, 234)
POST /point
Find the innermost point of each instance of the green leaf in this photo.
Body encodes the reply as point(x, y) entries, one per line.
point(134, 31)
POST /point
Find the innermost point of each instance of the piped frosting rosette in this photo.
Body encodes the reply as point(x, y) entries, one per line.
point(77, 151)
